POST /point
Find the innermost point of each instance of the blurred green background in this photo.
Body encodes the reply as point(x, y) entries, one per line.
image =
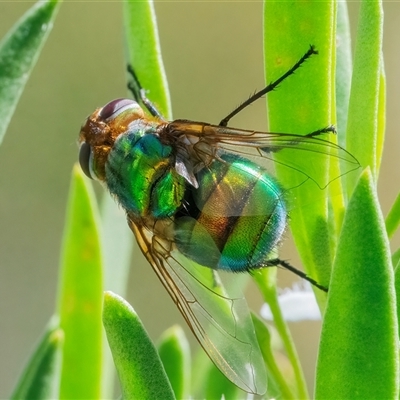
point(213, 58)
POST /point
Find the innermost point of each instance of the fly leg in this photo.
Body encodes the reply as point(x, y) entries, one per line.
point(277, 262)
point(139, 94)
point(311, 51)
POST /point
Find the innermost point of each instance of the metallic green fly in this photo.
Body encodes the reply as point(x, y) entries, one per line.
point(199, 195)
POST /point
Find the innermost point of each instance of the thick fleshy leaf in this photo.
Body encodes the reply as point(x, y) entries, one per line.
point(366, 113)
point(393, 219)
point(81, 294)
point(218, 386)
point(381, 116)
point(397, 283)
point(174, 352)
point(144, 53)
point(358, 357)
point(19, 51)
point(139, 367)
point(209, 383)
point(344, 67)
point(269, 291)
point(201, 364)
point(278, 385)
point(301, 104)
point(117, 242)
point(41, 376)
point(396, 259)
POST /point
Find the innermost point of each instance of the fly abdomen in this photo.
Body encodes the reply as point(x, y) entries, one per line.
point(236, 217)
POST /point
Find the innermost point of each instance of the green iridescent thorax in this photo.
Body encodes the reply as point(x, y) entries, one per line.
point(237, 218)
point(140, 172)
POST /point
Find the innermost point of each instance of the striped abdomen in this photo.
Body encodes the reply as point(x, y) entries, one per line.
point(234, 219)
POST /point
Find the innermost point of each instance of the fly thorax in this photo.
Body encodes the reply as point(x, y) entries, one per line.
point(140, 173)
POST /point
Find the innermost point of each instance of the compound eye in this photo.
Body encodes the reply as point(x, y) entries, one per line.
point(85, 159)
point(115, 107)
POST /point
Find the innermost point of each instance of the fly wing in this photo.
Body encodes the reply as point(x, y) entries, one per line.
point(264, 147)
point(221, 322)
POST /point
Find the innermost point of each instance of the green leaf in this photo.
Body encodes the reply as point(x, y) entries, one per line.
point(396, 259)
point(117, 242)
point(268, 288)
point(393, 219)
point(19, 51)
point(396, 265)
point(343, 71)
point(366, 111)
point(358, 356)
point(218, 386)
point(139, 367)
point(174, 352)
point(81, 294)
point(208, 382)
point(144, 53)
point(41, 376)
point(201, 364)
point(380, 134)
point(301, 104)
point(277, 384)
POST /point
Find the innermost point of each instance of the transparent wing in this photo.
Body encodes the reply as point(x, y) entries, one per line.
point(310, 152)
point(220, 321)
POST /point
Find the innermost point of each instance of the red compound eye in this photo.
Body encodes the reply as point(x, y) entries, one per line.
point(114, 107)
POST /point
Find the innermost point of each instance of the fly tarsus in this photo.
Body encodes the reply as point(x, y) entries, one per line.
point(139, 94)
point(327, 129)
point(277, 262)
